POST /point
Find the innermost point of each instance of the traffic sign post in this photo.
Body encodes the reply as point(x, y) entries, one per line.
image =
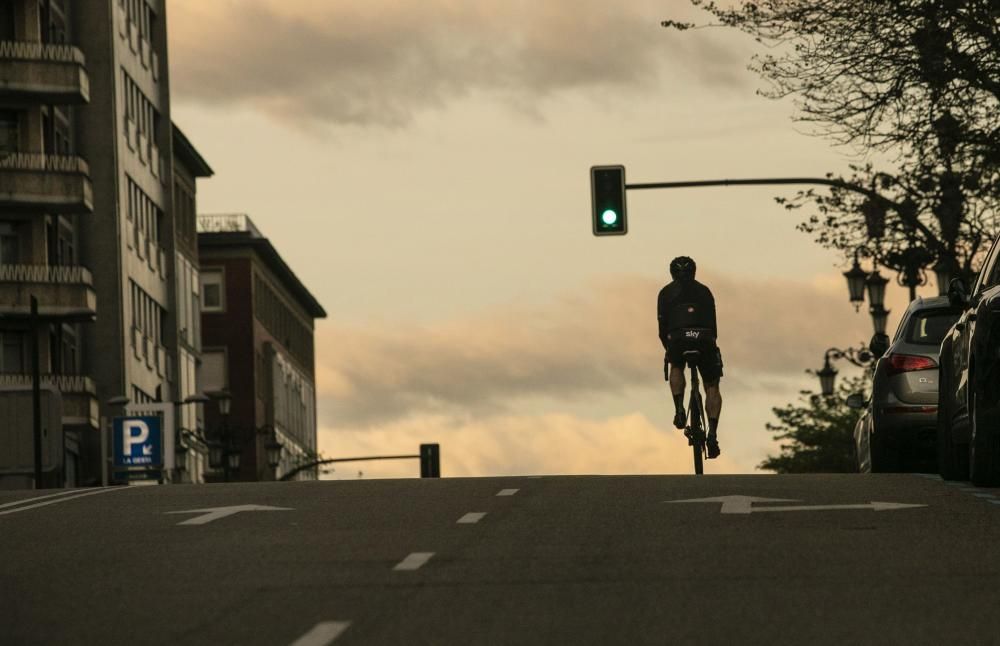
point(138, 446)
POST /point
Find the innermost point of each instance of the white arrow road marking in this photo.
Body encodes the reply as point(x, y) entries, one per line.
point(322, 633)
point(215, 513)
point(874, 506)
point(735, 504)
point(744, 505)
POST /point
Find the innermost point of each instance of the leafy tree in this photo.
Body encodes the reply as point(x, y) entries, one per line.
point(915, 83)
point(817, 434)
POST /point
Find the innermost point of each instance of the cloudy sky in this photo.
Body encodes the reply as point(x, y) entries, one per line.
point(423, 167)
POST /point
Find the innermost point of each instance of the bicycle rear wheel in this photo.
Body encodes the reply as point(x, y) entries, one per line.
point(697, 431)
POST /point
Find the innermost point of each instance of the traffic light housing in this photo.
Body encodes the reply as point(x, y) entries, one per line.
point(430, 460)
point(607, 191)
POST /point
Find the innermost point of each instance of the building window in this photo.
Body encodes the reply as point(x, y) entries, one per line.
point(8, 244)
point(212, 294)
point(9, 131)
point(12, 352)
point(214, 376)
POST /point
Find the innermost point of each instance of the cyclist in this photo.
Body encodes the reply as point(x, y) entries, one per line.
point(686, 312)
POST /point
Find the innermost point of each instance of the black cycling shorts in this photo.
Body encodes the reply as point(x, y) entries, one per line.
point(709, 364)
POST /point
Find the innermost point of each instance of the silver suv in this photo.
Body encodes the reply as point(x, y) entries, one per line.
point(898, 428)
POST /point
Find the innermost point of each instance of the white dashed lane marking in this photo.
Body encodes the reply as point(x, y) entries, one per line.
point(508, 492)
point(471, 518)
point(413, 561)
point(322, 633)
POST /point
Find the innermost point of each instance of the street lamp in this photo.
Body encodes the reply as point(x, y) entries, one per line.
point(221, 453)
point(827, 375)
point(876, 288)
point(215, 455)
point(856, 283)
point(225, 401)
point(272, 448)
point(880, 317)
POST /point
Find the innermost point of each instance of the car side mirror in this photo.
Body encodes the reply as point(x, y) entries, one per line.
point(879, 345)
point(856, 401)
point(958, 293)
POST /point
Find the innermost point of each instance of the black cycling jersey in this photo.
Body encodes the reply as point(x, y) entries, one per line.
point(683, 305)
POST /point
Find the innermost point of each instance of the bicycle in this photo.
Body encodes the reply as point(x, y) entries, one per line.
point(695, 429)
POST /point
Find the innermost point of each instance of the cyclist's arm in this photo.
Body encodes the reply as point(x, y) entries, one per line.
point(711, 309)
point(661, 316)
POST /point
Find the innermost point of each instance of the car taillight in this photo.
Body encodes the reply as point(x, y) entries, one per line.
point(908, 363)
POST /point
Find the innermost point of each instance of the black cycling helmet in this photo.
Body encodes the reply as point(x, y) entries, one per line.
point(682, 268)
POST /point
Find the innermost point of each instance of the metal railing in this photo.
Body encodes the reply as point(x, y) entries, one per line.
point(44, 163)
point(62, 383)
point(20, 50)
point(60, 274)
point(227, 223)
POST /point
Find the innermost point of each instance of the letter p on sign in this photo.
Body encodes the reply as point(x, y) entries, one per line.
point(134, 431)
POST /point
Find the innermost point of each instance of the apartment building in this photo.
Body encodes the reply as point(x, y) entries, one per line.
point(258, 323)
point(90, 167)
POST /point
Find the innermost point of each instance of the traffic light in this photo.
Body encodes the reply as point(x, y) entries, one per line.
point(607, 191)
point(430, 460)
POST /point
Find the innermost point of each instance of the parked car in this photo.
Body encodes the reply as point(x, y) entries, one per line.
point(897, 430)
point(969, 417)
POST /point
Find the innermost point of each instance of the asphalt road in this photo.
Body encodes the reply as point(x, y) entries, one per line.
point(561, 560)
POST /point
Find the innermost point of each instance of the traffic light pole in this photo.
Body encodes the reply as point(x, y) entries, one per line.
point(760, 182)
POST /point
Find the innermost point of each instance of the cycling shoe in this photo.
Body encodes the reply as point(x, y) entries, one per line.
point(712, 445)
point(680, 420)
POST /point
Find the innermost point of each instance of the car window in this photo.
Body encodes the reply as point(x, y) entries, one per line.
point(929, 328)
point(989, 276)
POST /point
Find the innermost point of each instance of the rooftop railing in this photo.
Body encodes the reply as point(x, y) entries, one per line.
point(228, 223)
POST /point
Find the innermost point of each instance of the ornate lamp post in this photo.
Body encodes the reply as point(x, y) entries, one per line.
point(221, 453)
point(860, 357)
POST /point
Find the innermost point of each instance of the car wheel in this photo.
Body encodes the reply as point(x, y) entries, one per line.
point(951, 457)
point(984, 450)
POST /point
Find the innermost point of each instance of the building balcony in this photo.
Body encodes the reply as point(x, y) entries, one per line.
point(79, 396)
point(44, 74)
point(37, 182)
point(62, 292)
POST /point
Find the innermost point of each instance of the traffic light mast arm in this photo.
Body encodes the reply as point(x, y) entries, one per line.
point(907, 216)
point(769, 181)
point(317, 463)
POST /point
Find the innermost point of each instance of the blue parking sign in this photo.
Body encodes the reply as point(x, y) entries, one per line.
point(138, 442)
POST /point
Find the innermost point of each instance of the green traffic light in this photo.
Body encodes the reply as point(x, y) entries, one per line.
point(609, 218)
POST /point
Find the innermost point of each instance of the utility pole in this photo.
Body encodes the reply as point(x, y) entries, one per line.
point(36, 392)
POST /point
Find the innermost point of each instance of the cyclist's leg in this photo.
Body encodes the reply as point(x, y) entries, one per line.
point(675, 376)
point(711, 372)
